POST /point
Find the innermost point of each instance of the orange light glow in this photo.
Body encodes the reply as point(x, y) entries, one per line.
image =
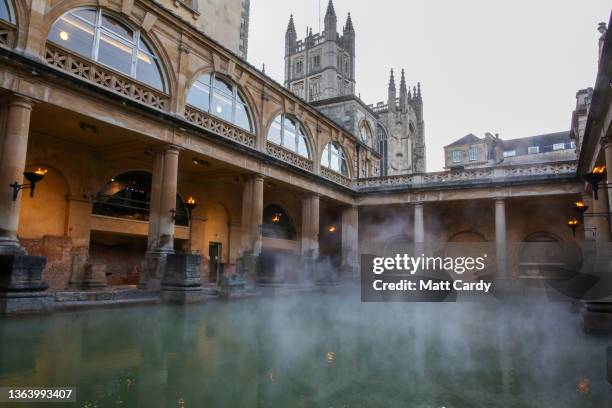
point(572, 222)
point(332, 229)
point(191, 200)
point(41, 172)
point(583, 386)
point(579, 204)
point(599, 169)
point(276, 217)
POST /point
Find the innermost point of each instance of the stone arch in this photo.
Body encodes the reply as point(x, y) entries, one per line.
point(253, 111)
point(365, 124)
point(46, 213)
point(345, 152)
point(282, 228)
point(152, 39)
point(467, 236)
point(543, 253)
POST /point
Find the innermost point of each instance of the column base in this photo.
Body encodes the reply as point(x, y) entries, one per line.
point(152, 269)
point(21, 287)
point(84, 275)
point(11, 247)
point(249, 266)
point(182, 282)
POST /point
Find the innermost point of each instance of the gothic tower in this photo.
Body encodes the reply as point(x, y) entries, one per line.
point(322, 65)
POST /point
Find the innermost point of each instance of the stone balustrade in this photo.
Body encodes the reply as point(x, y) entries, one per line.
point(289, 156)
point(219, 126)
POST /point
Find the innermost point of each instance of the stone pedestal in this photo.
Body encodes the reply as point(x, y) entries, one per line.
point(152, 269)
point(21, 287)
point(182, 282)
point(248, 266)
point(232, 287)
point(85, 275)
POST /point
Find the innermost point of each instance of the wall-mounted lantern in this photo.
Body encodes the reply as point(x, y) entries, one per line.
point(594, 178)
point(332, 229)
point(573, 224)
point(33, 177)
point(580, 207)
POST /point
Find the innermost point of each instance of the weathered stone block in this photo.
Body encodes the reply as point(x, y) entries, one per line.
point(181, 281)
point(21, 287)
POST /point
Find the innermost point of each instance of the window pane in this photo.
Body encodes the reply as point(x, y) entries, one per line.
point(222, 106)
point(343, 168)
point(242, 117)
point(289, 125)
point(335, 162)
point(73, 34)
point(116, 27)
point(147, 71)
point(325, 157)
point(4, 11)
point(88, 15)
point(274, 135)
point(302, 147)
point(199, 96)
point(115, 54)
point(289, 140)
point(222, 86)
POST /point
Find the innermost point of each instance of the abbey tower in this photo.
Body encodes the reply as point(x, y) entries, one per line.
point(321, 70)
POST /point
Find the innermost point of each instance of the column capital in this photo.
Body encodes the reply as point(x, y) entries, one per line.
point(500, 200)
point(20, 101)
point(419, 203)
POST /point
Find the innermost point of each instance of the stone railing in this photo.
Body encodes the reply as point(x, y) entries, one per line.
point(475, 175)
point(335, 177)
point(87, 69)
point(289, 156)
point(219, 126)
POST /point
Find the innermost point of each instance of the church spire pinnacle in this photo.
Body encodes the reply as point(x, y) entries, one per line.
point(291, 26)
point(331, 12)
point(392, 81)
point(392, 92)
point(348, 27)
point(331, 23)
point(403, 91)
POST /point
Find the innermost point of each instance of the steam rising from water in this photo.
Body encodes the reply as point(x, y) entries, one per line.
point(312, 350)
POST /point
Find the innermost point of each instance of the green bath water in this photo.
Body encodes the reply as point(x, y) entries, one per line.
point(310, 351)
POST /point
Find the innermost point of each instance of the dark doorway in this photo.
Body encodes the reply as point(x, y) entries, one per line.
point(214, 254)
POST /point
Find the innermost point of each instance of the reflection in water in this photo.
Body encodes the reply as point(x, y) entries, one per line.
point(268, 353)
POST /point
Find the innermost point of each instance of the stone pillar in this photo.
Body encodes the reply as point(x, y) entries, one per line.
point(12, 164)
point(350, 241)
point(590, 230)
point(601, 222)
point(161, 222)
point(257, 213)
point(310, 226)
point(607, 145)
point(251, 224)
point(419, 224)
point(501, 243)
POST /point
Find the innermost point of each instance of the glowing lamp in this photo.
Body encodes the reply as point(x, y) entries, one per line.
point(64, 35)
point(332, 229)
point(573, 224)
point(191, 204)
point(594, 178)
point(580, 207)
point(276, 218)
point(33, 177)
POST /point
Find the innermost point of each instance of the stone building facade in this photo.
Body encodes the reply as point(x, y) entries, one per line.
point(127, 149)
point(321, 70)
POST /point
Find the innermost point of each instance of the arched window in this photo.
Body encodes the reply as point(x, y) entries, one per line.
point(333, 158)
point(365, 133)
point(128, 196)
point(215, 95)
point(276, 223)
point(381, 147)
point(290, 134)
point(5, 11)
point(97, 35)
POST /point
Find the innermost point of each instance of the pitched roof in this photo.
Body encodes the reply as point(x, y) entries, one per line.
point(547, 139)
point(467, 139)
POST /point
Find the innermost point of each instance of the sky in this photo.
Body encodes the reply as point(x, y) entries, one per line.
point(507, 67)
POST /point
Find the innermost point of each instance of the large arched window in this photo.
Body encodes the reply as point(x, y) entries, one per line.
point(277, 224)
point(333, 158)
point(128, 196)
point(290, 134)
point(381, 147)
point(95, 34)
point(5, 11)
point(365, 133)
point(217, 96)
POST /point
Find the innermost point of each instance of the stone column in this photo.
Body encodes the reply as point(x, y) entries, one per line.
point(419, 224)
point(245, 223)
point(161, 223)
point(12, 164)
point(257, 213)
point(607, 145)
point(501, 244)
point(310, 226)
point(168, 200)
point(590, 228)
point(601, 222)
point(350, 241)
